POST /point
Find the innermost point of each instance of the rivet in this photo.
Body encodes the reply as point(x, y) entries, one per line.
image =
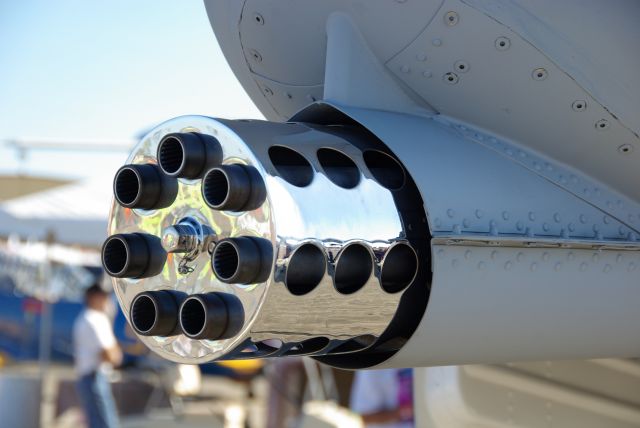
point(437, 222)
point(482, 265)
point(583, 266)
point(258, 19)
point(494, 255)
point(606, 219)
point(625, 149)
point(267, 91)
point(455, 263)
point(255, 55)
point(520, 257)
point(534, 266)
point(461, 66)
point(619, 258)
point(467, 254)
point(602, 124)
point(545, 256)
point(570, 256)
point(607, 269)
point(436, 42)
point(632, 267)
point(466, 223)
point(421, 56)
point(451, 213)
point(502, 43)
point(508, 265)
point(288, 95)
point(579, 105)
point(595, 257)
point(558, 267)
point(539, 74)
point(451, 18)
point(427, 74)
point(519, 225)
point(441, 253)
point(405, 69)
point(545, 227)
point(479, 213)
point(571, 227)
point(505, 215)
point(557, 218)
point(456, 229)
point(583, 218)
point(450, 78)
point(532, 216)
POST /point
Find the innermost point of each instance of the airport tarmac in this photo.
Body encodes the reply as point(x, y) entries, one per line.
point(141, 399)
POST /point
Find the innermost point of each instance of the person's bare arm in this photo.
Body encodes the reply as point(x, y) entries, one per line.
point(112, 355)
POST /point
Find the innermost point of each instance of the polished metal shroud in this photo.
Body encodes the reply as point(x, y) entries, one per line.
point(321, 213)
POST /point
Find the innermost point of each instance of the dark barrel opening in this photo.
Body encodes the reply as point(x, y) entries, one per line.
point(127, 186)
point(291, 166)
point(215, 188)
point(225, 260)
point(144, 186)
point(305, 270)
point(193, 317)
point(115, 256)
point(143, 313)
point(385, 169)
point(133, 255)
point(399, 268)
point(353, 268)
point(170, 154)
point(339, 168)
point(242, 260)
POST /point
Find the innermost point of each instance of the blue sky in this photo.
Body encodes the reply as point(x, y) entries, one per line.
point(79, 69)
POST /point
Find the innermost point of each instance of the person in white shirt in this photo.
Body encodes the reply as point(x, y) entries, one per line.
point(384, 398)
point(96, 352)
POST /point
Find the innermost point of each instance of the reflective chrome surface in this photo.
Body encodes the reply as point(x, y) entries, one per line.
point(322, 213)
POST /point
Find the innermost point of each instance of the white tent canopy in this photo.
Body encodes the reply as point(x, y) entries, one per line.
point(75, 213)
